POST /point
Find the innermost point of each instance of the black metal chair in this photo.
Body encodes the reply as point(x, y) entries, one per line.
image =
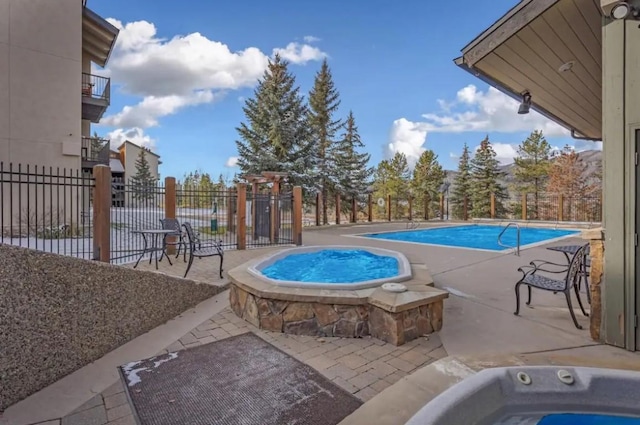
point(200, 249)
point(174, 224)
point(531, 278)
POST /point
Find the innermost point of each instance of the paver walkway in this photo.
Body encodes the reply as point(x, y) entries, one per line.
point(363, 366)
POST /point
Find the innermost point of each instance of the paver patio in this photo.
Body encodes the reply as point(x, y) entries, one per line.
point(478, 319)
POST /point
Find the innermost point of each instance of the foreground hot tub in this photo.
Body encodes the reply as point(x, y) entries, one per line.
point(544, 395)
point(333, 267)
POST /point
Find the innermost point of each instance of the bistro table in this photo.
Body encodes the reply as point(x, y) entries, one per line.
point(568, 250)
point(155, 247)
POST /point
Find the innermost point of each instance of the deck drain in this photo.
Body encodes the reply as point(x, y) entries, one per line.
point(524, 378)
point(565, 377)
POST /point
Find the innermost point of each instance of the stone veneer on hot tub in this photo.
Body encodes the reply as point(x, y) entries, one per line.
point(392, 317)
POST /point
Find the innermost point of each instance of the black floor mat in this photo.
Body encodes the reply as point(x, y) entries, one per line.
point(241, 380)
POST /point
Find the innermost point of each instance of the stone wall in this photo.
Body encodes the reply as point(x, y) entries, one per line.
point(337, 320)
point(300, 318)
point(58, 314)
point(596, 273)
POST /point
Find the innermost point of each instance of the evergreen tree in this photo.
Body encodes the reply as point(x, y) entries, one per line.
point(392, 178)
point(353, 173)
point(142, 183)
point(97, 144)
point(428, 176)
point(462, 185)
point(275, 136)
point(484, 181)
point(532, 168)
point(324, 101)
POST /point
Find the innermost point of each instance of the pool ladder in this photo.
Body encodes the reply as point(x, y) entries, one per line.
point(517, 247)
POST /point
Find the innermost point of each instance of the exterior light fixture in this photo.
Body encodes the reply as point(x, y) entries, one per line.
point(621, 10)
point(526, 103)
point(567, 66)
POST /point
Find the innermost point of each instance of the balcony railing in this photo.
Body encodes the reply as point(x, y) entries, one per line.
point(95, 150)
point(96, 87)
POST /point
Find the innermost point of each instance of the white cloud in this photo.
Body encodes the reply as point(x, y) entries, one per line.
point(134, 135)
point(300, 53)
point(170, 74)
point(505, 152)
point(231, 162)
point(489, 111)
point(407, 137)
point(311, 39)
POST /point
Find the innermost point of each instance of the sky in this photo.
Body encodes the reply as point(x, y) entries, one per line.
point(180, 75)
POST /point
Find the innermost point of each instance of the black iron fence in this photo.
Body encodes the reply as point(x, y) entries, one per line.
point(211, 212)
point(269, 219)
point(47, 209)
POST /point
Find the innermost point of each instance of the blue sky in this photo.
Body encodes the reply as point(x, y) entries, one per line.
point(180, 73)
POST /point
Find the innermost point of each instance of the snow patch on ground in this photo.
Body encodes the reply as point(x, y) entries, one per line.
point(132, 371)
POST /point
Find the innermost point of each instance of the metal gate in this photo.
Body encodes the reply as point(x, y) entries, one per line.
point(262, 211)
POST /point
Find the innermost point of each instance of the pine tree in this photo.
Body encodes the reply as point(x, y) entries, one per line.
point(142, 183)
point(353, 173)
point(462, 185)
point(567, 178)
point(484, 181)
point(324, 101)
point(428, 176)
point(276, 136)
point(532, 168)
point(97, 144)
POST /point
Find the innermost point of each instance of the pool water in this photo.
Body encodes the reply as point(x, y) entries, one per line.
point(333, 266)
point(587, 419)
point(475, 236)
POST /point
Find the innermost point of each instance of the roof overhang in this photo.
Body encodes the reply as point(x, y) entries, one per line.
point(525, 50)
point(98, 37)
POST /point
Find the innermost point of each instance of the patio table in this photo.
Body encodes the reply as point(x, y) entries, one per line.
point(154, 248)
point(569, 251)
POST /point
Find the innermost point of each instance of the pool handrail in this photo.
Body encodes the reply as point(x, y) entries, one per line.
point(517, 247)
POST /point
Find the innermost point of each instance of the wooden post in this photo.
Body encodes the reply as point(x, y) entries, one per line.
point(493, 205)
point(561, 207)
point(524, 206)
point(410, 208)
point(297, 215)
point(389, 207)
point(337, 208)
point(275, 212)
point(465, 208)
point(370, 208)
point(354, 210)
point(241, 234)
point(170, 208)
point(102, 213)
point(442, 206)
point(318, 208)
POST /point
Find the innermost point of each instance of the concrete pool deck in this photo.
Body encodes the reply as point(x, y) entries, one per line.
point(478, 323)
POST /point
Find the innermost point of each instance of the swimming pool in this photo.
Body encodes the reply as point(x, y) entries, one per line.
point(475, 236)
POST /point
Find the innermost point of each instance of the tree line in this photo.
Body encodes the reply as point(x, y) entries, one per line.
point(308, 138)
point(539, 171)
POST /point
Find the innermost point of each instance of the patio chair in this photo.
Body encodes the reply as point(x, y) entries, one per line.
point(583, 273)
point(532, 279)
point(174, 224)
point(200, 249)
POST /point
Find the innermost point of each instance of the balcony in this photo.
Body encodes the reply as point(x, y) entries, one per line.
point(96, 96)
point(95, 151)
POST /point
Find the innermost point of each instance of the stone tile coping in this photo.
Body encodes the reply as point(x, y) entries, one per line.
point(420, 291)
point(593, 234)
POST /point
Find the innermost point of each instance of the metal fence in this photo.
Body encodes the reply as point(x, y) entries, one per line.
point(269, 219)
point(211, 212)
point(47, 209)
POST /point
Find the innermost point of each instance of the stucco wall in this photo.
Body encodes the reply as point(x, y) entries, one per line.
point(40, 80)
point(58, 314)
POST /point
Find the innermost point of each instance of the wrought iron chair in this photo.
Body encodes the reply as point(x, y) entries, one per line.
point(531, 278)
point(174, 224)
point(200, 249)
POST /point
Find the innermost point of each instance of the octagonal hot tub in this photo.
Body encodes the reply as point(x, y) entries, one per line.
point(333, 267)
point(337, 291)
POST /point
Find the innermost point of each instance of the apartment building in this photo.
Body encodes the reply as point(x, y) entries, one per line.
point(48, 95)
point(123, 167)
